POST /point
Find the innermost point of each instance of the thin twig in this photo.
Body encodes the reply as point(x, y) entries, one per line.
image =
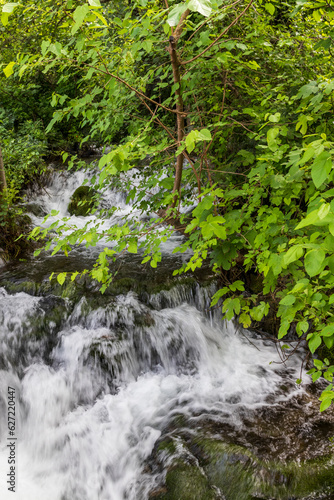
point(220, 36)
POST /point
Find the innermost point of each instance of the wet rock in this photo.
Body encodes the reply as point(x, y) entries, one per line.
point(82, 201)
point(35, 209)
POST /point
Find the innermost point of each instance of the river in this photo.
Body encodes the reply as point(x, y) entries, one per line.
point(144, 392)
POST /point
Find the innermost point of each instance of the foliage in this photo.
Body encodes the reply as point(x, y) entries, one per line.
point(253, 82)
point(14, 228)
point(23, 153)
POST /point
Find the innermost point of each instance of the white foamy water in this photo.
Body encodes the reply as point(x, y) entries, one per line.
point(90, 414)
point(57, 196)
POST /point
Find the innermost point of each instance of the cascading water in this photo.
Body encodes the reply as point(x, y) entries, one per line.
point(112, 394)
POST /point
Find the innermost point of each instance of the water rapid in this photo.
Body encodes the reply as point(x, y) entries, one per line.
point(113, 393)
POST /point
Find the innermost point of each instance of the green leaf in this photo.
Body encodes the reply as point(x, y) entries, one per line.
point(277, 116)
point(94, 3)
point(4, 18)
point(204, 135)
point(176, 13)
point(190, 141)
point(133, 244)
point(147, 45)
point(9, 69)
point(314, 342)
point(245, 320)
point(9, 7)
point(309, 153)
point(79, 15)
point(302, 327)
point(316, 376)
point(204, 7)
point(325, 404)
point(313, 261)
point(320, 168)
point(288, 300)
point(218, 295)
point(318, 364)
point(329, 341)
point(61, 278)
point(270, 8)
point(294, 253)
point(327, 331)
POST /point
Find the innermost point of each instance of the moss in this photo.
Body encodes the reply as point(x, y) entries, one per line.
point(186, 482)
point(14, 229)
point(171, 283)
point(239, 474)
point(323, 352)
point(166, 445)
point(82, 201)
point(122, 286)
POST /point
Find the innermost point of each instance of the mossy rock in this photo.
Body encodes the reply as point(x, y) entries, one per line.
point(323, 352)
point(186, 482)
point(82, 201)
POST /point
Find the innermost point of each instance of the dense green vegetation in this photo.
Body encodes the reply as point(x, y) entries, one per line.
point(229, 103)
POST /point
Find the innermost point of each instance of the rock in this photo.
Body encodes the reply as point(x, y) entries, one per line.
point(35, 209)
point(82, 201)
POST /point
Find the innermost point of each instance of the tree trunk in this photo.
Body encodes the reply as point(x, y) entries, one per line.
point(173, 39)
point(3, 183)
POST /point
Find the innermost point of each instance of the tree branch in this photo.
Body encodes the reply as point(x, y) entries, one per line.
point(220, 36)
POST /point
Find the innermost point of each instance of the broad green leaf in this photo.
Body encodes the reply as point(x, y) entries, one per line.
point(318, 364)
point(325, 404)
point(79, 16)
point(94, 3)
point(204, 7)
point(176, 13)
point(313, 261)
point(147, 45)
point(9, 7)
point(61, 278)
point(270, 8)
point(132, 248)
point(190, 140)
point(276, 117)
point(218, 295)
point(210, 229)
point(329, 341)
point(294, 253)
point(320, 168)
point(309, 153)
point(272, 134)
point(245, 320)
point(204, 135)
point(288, 300)
point(9, 69)
point(314, 342)
point(307, 90)
point(313, 219)
point(324, 210)
point(4, 18)
point(327, 331)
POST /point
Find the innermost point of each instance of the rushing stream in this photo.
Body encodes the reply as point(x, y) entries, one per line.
point(143, 393)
